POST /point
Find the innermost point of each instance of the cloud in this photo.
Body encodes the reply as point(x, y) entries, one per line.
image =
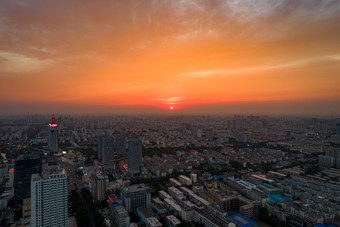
point(170, 100)
point(154, 50)
point(291, 64)
point(18, 63)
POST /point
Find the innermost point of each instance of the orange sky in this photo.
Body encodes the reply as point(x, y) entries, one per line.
point(199, 56)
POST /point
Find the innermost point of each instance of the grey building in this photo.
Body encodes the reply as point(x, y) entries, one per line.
point(136, 196)
point(98, 187)
point(135, 156)
point(106, 150)
point(120, 143)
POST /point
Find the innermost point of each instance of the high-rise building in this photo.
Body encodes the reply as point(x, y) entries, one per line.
point(98, 187)
point(337, 128)
point(53, 137)
point(120, 143)
point(135, 156)
point(49, 202)
point(25, 166)
point(136, 196)
point(106, 150)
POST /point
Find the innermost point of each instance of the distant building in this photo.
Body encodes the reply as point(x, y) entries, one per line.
point(337, 128)
point(331, 158)
point(135, 156)
point(240, 137)
point(49, 202)
point(98, 187)
point(25, 166)
point(106, 150)
point(209, 134)
point(120, 143)
point(53, 137)
point(136, 196)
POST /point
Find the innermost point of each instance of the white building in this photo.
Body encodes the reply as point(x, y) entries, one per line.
point(153, 222)
point(49, 204)
point(185, 180)
point(193, 177)
point(136, 196)
point(174, 192)
point(121, 216)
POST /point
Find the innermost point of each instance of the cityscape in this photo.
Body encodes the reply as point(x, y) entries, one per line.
point(174, 113)
point(170, 170)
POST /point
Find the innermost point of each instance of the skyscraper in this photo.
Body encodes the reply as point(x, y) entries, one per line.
point(25, 166)
point(53, 136)
point(135, 156)
point(120, 143)
point(49, 202)
point(106, 150)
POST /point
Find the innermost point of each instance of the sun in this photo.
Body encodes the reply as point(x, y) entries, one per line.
point(171, 107)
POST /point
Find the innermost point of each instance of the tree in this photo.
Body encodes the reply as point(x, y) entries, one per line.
point(75, 201)
point(98, 219)
point(83, 217)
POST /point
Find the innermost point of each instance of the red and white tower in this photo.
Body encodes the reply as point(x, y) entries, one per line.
point(53, 136)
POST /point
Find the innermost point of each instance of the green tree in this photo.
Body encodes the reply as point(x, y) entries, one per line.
point(83, 217)
point(98, 219)
point(75, 201)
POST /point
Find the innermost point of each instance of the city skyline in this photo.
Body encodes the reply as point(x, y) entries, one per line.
point(197, 57)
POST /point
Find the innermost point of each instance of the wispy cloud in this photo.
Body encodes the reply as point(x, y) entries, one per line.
point(169, 100)
point(291, 64)
point(18, 63)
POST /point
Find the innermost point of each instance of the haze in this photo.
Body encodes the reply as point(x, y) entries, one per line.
point(133, 56)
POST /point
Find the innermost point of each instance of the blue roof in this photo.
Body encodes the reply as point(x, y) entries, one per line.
point(278, 198)
point(322, 225)
point(270, 186)
point(242, 220)
point(116, 205)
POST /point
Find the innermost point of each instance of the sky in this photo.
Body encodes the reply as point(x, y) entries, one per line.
point(146, 56)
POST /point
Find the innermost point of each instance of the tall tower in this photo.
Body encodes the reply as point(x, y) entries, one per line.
point(53, 136)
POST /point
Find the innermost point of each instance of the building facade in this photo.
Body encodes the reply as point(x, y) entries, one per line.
point(49, 202)
point(98, 187)
point(136, 196)
point(135, 156)
point(106, 150)
point(25, 166)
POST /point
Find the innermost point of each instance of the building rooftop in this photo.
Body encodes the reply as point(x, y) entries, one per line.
point(241, 220)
